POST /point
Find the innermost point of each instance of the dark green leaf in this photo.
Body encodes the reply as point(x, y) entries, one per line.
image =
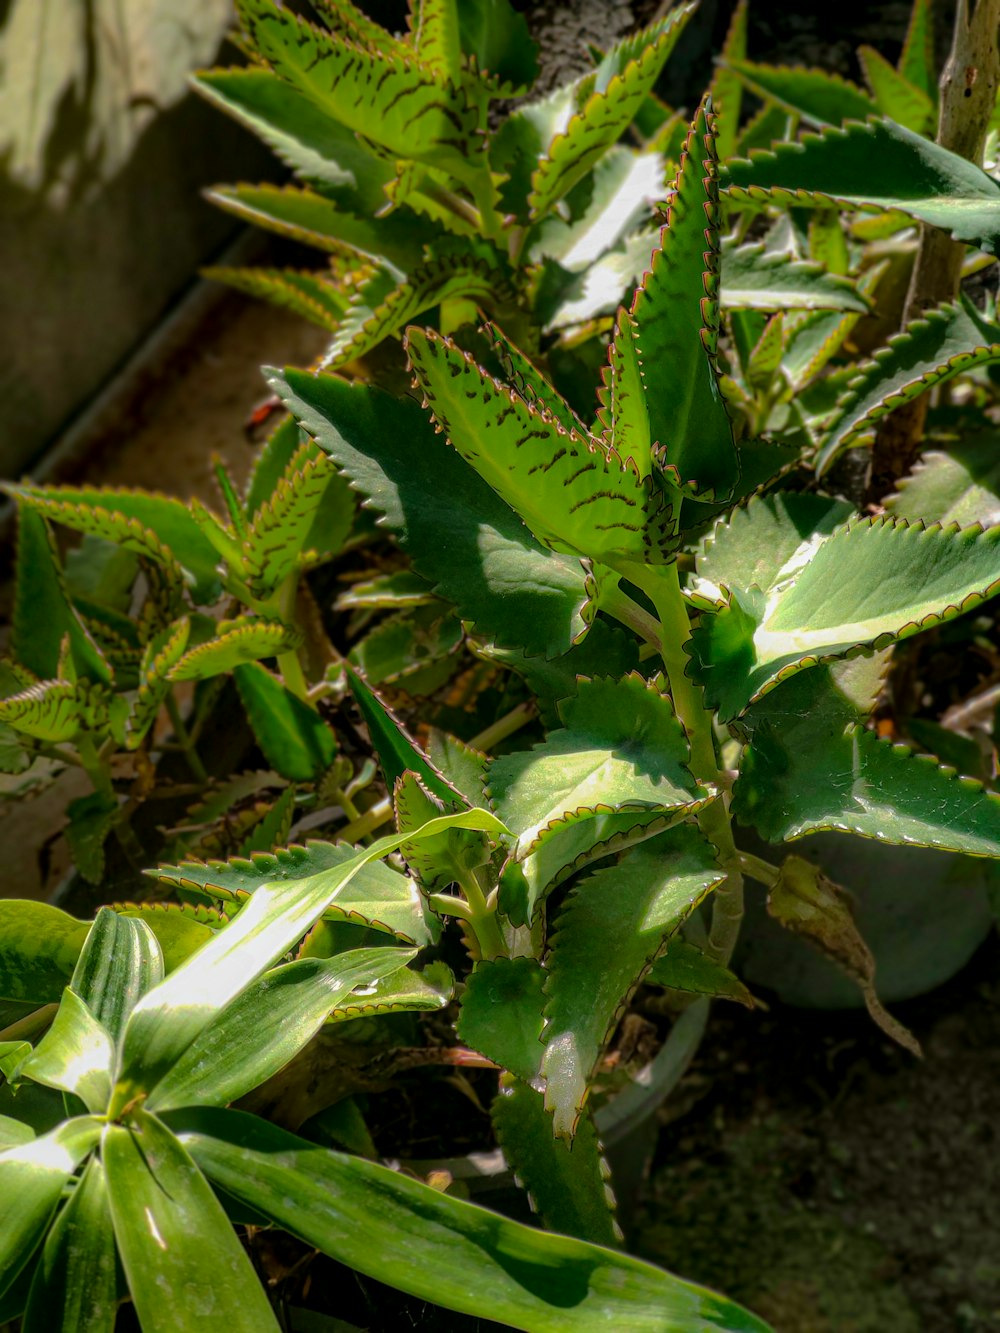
point(119, 962)
point(398, 753)
point(683, 966)
point(39, 948)
point(76, 1055)
point(91, 819)
point(500, 1015)
point(960, 486)
point(293, 737)
point(819, 97)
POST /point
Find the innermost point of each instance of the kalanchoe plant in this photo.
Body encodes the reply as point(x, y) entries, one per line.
point(129, 1191)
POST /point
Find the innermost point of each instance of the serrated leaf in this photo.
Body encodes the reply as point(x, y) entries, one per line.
point(683, 966)
point(575, 496)
point(500, 1014)
point(960, 486)
point(599, 954)
point(819, 97)
point(460, 1256)
point(398, 753)
point(160, 655)
point(403, 991)
point(74, 1288)
point(378, 896)
point(915, 176)
point(435, 862)
point(623, 413)
point(273, 829)
point(49, 711)
point(765, 358)
point(771, 123)
point(241, 641)
point(462, 767)
point(531, 383)
point(917, 64)
point(283, 1010)
point(498, 44)
point(76, 1055)
point(603, 106)
point(119, 962)
point(895, 95)
point(377, 94)
point(173, 1235)
point(400, 590)
point(944, 341)
point(437, 39)
point(307, 294)
point(810, 767)
point(312, 143)
point(870, 583)
point(412, 651)
point(39, 947)
point(620, 747)
point(465, 540)
point(90, 820)
point(676, 313)
point(571, 1192)
point(347, 20)
point(754, 278)
point(727, 89)
point(293, 737)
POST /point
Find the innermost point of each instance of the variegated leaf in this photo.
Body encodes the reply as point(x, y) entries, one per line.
point(159, 658)
point(243, 640)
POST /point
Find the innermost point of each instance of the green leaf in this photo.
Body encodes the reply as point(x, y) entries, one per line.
point(378, 896)
point(76, 1055)
point(574, 495)
point(238, 641)
point(810, 767)
point(415, 651)
point(442, 1249)
point(623, 413)
point(13, 1132)
point(283, 1011)
point(500, 1014)
point(149, 524)
point(771, 123)
point(531, 383)
point(307, 294)
point(377, 94)
point(676, 312)
point(119, 962)
point(870, 583)
point(939, 345)
point(91, 819)
point(917, 63)
point(498, 44)
point(398, 753)
point(32, 1176)
point(569, 1187)
point(727, 88)
point(603, 105)
point(173, 1236)
point(467, 542)
point(961, 486)
point(167, 1020)
point(620, 747)
point(436, 39)
point(819, 97)
point(273, 828)
point(320, 150)
point(613, 925)
point(49, 711)
point(764, 543)
point(461, 766)
point(43, 616)
point(402, 991)
point(347, 20)
point(895, 95)
point(915, 176)
point(39, 948)
point(74, 1286)
point(160, 655)
point(179, 929)
point(683, 966)
point(434, 862)
point(293, 737)
point(754, 278)
point(400, 590)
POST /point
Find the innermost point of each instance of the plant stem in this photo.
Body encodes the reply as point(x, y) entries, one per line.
point(662, 586)
point(505, 726)
point(482, 917)
point(968, 89)
point(288, 663)
point(184, 737)
point(756, 868)
point(620, 605)
point(380, 813)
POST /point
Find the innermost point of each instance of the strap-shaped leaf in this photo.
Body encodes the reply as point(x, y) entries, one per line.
point(623, 413)
point(895, 95)
point(32, 1176)
point(380, 95)
point(439, 1248)
point(150, 524)
point(606, 102)
point(915, 176)
point(676, 311)
point(180, 928)
point(815, 95)
point(869, 584)
point(466, 541)
point(573, 494)
point(765, 358)
point(916, 63)
point(284, 1010)
point(939, 345)
point(571, 1190)
point(466, 276)
point(378, 896)
point(620, 747)
point(811, 767)
point(613, 925)
point(119, 962)
point(961, 486)
point(39, 947)
point(402, 991)
point(500, 1014)
point(683, 966)
point(765, 542)
point(307, 294)
point(173, 1235)
point(49, 711)
point(314, 145)
point(44, 617)
point(243, 640)
point(294, 738)
point(754, 278)
point(160, 656)
point(74, 1286)
point(76, 1055)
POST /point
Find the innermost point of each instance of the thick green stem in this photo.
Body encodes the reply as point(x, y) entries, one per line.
point(662, 586)
point(372, 819)
point(505, 726)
